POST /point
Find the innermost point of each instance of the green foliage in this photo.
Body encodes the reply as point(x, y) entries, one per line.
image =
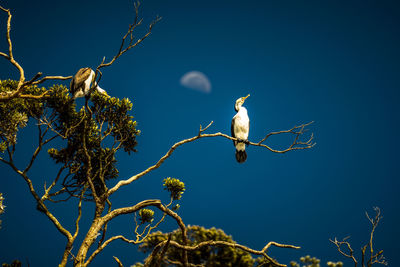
point(175, 187)
point(309, 261)
point(207, 256)
point(176, 207)
point(15, 263)
point(334, 264)
point(146, 216)
point(92, 135)
point(15, 113)
point(84, 154)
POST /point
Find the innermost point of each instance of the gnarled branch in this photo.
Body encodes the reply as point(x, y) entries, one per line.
point(226, 244)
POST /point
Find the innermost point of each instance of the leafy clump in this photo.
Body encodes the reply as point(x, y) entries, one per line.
point(146, 216)
point(334, 264)
point(175, 187)
point(93, 136)
point(15, 263)
point(309, 261)
point(16, 112)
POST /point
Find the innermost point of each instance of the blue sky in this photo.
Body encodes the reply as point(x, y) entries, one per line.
point(332, 62)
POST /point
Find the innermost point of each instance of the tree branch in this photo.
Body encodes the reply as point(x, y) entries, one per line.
point(295, 145)
point(229, 244)
point(373, 257)
point(10, 57)
point(349, 254)
point(129, 33)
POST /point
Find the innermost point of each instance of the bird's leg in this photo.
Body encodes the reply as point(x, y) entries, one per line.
point(247, 142)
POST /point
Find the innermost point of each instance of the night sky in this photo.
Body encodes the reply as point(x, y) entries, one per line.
point(332, 62)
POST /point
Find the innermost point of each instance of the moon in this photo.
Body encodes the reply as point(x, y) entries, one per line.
point(196, 80)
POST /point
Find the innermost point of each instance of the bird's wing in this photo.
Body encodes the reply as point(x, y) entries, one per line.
point(232, 130)
point(79, 78)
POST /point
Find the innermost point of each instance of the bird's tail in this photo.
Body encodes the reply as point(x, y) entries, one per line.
point(241, 155)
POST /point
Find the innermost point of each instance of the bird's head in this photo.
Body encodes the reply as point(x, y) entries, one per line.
point(102, 91)
point(240, 101)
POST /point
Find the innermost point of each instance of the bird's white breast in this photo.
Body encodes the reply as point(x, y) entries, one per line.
point(241, 125)
point(88, 82)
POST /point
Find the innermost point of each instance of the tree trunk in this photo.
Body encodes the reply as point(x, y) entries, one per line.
point(90, 238)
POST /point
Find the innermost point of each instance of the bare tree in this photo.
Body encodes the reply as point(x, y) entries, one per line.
point(91, 138)
point(373, 257)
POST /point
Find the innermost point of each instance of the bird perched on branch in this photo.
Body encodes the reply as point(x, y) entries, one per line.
point(81, 83)
point(240, 129)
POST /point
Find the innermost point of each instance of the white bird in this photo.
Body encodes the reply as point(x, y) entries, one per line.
point(81, 82)
point(240, 129)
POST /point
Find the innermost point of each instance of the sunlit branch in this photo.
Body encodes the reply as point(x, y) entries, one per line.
point(295, 145)
point(373, 257)
point(229, 244)
point(118, 261)
point(349, 253)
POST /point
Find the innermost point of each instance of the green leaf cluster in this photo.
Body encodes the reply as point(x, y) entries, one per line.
point(93, 137)
point(146, 216)
point(15, 113)
point(309, 261)
point(90, 137)
point(175, 187)
point(15, 263)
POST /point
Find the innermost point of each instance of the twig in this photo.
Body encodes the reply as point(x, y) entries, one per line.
point(118, 261)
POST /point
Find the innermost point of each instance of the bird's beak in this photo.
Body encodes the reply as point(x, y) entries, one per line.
point(244, 98)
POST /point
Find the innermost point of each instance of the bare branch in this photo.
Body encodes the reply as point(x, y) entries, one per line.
point(296, 145)
point(373, 257)
point(108, 241)
point(131, 43)
point(349, 254)
point(51, 78)
point(10, 57)
point(229, 244)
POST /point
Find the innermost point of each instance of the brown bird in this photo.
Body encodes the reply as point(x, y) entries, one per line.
point(81, 83)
